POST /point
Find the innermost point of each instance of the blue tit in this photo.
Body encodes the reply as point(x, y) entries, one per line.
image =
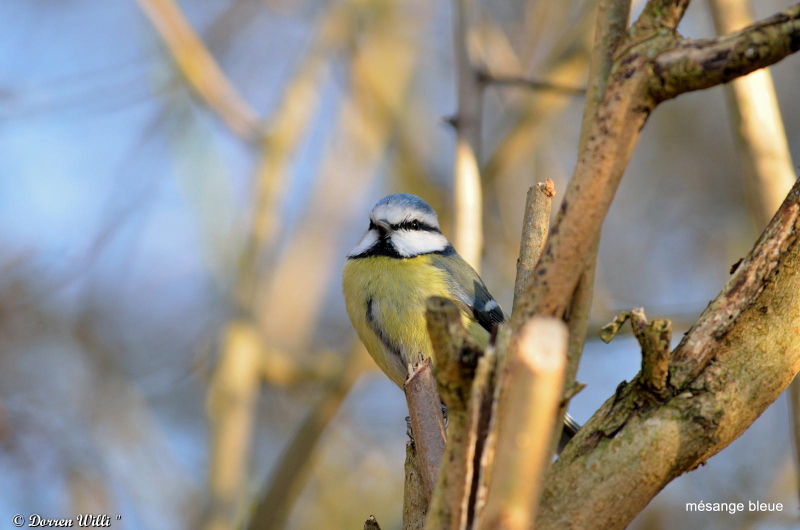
point(401, 261)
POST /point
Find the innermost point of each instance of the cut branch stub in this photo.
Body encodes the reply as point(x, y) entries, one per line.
point(654, 339)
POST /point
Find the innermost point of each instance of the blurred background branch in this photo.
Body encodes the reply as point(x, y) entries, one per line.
point(202, 179)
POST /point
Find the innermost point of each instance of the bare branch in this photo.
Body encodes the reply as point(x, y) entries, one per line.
point(655, 441)
point(487, 78)
point(232, 401)
point(704, 63)
point(527, 415)
point(662, 14)
point(415, 496)
point(535, 227)
point(468, 123)
point(611, 26)
point(427, 422)
point(200, 69)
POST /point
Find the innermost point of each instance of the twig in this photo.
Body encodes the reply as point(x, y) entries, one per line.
point(528, 414)
point(535, 227)
point(415, 496)
point(456, 356)
point(468, 123)
point(489, 79)
point(427, 422)
point(294, 467)
point(654, 338)
point(200, 69)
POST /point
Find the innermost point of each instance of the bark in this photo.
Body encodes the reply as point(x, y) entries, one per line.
point(637, 442)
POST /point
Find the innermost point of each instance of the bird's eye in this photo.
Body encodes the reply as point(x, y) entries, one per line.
point(371, 225)
point(415, 225)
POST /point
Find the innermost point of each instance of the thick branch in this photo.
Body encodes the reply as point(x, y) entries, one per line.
point(699, 64)
point(756, 352)
point(527, 414)
point(535, 227)
point(611, 26)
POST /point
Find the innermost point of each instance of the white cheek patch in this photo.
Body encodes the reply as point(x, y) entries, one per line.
point(410, 243)
point(369, 239)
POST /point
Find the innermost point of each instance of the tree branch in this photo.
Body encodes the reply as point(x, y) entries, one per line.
point(527, 414)
point(662, 14)
point(763, 148)
point(699, 64)
point(415, 496)
point(751, 332)
point(468, 124)
point(487, 78)
point(200, 69)
point(427, 423)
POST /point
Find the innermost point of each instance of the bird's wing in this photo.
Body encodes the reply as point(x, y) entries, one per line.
point(468, 289)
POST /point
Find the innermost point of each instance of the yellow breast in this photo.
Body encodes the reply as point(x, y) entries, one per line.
point(386, 299)
point(395, 292)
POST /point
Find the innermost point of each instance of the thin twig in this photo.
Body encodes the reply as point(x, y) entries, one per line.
point(490, 79)
point(535, 227)
point(528, 414)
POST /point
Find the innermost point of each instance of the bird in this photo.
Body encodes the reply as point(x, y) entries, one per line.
point(402, 260)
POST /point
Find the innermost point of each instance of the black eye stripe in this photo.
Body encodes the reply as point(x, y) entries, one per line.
point(415, 225)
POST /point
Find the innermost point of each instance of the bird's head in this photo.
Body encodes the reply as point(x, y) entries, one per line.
point(402, 226)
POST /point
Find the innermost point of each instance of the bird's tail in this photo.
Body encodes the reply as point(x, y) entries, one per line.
point(570, 429)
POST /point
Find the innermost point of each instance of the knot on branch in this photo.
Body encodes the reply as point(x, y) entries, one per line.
point(654, 338)
point(456, 354)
